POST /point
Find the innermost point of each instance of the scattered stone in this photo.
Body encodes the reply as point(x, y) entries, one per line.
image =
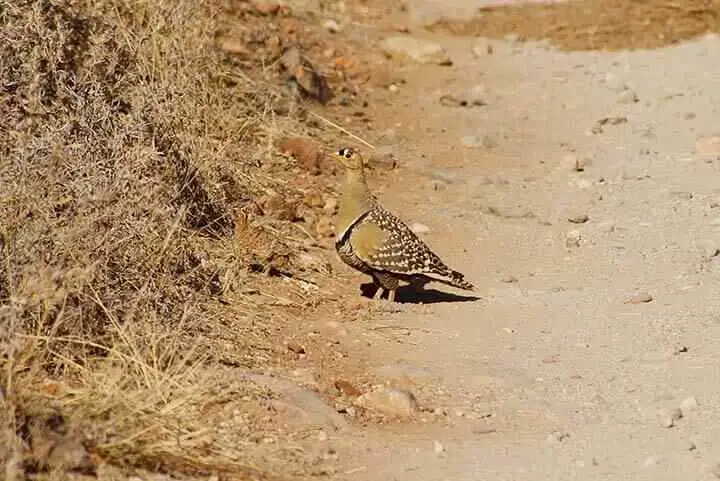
point(573, 238)
point(303, 76)
point(322, 436)
point(575, 163)
point(332, 26)
point(715, 202)
point(598, 127)
point(692, 446)
point(330, 207)
point(482, 48)
point(400, 27)
point(295, 347)
point(708, 145)
point(347, 388)
point(325, 227)
point(668, 418)
point(389, 401)
point(438, 447)
point(473, 97)
point(557, 437)
point(640, 298)
point(419, 228)
point(418, 50)
point(689, 404)
point(266, 7)
point(628, 97)
point(305, 151)
point(715, 470)
point(509, 279)
point(651, 460)
point(614, 83)
point(472, 141)
point(578, 219)
point(677, 350)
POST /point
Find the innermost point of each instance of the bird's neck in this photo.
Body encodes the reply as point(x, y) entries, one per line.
point(356, 200)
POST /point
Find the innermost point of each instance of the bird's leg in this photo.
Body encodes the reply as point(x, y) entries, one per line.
point(389, 284)
point(379, 292)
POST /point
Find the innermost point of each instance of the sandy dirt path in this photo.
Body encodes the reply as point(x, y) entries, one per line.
point(562, 370)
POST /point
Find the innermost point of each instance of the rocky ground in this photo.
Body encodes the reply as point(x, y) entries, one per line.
point(579, 191)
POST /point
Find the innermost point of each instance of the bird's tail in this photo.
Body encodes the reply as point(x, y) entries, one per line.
point(455, 279)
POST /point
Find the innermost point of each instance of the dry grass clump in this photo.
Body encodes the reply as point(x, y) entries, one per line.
point(596, 25)
point(126, 156)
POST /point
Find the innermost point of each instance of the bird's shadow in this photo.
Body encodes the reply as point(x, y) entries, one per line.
point(413, 295)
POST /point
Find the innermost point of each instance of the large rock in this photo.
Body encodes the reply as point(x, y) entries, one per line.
point(299, 406)
point(389, 401)
point(415, 49)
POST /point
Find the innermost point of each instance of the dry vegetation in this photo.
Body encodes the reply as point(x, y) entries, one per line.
point(137, 161)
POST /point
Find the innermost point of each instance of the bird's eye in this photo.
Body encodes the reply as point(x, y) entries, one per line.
point(347, 155)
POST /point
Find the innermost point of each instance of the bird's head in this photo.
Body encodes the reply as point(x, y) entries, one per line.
point(350, 159)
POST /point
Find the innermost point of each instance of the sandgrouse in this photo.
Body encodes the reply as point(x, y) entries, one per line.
point(375, 242)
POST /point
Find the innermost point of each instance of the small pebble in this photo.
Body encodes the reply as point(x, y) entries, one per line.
point(575, 163)
point(438, 447)
point(628, 97)
point(640, 298)
point(332, 26)
point(475, 96)
point(715, 202)
point(651, 461)
point(322, 436)
point(578, 219)
point(572, 239)
point(557, 437)
point(330, 206)
point(482, 48)
point(669, 417)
